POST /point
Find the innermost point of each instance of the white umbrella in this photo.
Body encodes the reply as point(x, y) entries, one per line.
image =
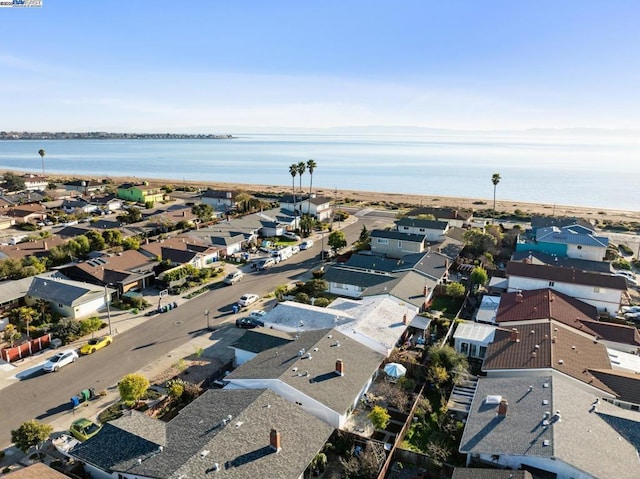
point(395, 370)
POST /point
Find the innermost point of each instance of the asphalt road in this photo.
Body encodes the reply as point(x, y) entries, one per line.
point(47, 396)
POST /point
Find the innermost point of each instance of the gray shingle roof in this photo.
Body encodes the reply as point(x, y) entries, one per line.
point(422, 223)
point(538, 257)
point(261, 339)
point(600, 439)
point(316, 377)
point(565, 275)
point(482, 473)
point(414, 238)
point(202, 435)
point(70, 293)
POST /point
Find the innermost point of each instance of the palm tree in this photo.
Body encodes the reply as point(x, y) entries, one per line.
point(301, 167)
point(311, 165)
point(41, 152)
point(293, 170)
point(495, 179)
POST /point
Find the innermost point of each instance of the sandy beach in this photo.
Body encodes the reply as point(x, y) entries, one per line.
point(400, 200)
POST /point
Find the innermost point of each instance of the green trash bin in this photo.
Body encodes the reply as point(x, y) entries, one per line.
point(86, 395)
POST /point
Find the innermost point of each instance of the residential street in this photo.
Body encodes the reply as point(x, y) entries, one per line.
point(46, 397)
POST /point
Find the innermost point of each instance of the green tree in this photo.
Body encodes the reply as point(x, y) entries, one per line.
point(23, 316)
point(438, 375)
point(447, 357)
point(96, 240)
point(337, 240)
point(32, 265)
point(293, 171)
point(379, 417)
point(66, 329)
point(455, 289)
point(479, 276)
point(132, 215)
point(315, 287)
point(203, 211)
point(13, 182)
point(30, 434)
point(306, 225)
point(112, 237)
point(311, 166)
point(243, 199)
point(11, 334)
point(495, 179)
point(131, 243)
point(365, 236)
point(41, 152)
point(175, 388)
point(90, 325)
point(478, 242)
point(301, 167)
point(132, 387)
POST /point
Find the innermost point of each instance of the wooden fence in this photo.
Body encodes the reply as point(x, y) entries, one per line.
point(26, 349)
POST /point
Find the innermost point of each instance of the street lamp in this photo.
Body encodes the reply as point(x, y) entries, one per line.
point(106, 300)
point(206, 315)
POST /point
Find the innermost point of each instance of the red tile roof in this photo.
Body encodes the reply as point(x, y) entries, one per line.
point(543, 304)
point(545, 346)
point(565, 275)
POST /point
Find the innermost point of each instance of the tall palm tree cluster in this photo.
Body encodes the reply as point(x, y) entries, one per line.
point(298, 169)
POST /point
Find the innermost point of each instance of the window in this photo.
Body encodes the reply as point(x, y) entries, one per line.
point(579, 246)
point(473, 351)
point(422, 230)
point(551, 284)
point(382, 241)
point(482, 351)
point(464, 348)
point(399, 244)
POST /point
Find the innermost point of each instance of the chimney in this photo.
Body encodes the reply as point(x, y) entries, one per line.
point(446, 264)
point(405, 321)
point(502, 407)
point(45, 246)
point(425, 291)
point(515, 336)
point(339, 367)
point(519, 297)
point(274, 440)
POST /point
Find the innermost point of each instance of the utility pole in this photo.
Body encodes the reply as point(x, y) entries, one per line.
point(106, 300)
point(206, 315)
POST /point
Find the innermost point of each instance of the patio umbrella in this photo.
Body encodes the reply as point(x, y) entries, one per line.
point(395, 370)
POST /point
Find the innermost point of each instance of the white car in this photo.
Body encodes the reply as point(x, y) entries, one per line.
point(247, 299)
point(59, 360)
point(630, 309)
point(291, 235)
point(625, 273)
point(233, 278)
point(306, 244)
point(257, 314)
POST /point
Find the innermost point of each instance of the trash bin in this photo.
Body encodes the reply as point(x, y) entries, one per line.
point(86, 394)
point(235, 308)
point(75, 401)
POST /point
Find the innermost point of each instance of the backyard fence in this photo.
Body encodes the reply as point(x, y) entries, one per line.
point(26, 349)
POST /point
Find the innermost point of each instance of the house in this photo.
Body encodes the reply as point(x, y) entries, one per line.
point(547, 348)
point(21, 247)
point(433, 230)
point(220, 200)
point(29, 213)
point(317, 206)
point(552, 427)
point(575, 241)
point(35, 182)
point(243, 434)
point(600, 290)
point(488, 309)
point(70, 299)
point(541, 221)
point(324, 372)
point(79, 205)
point(520, 308)
point(181, 250)
point(128, 271)
point(107, 202)
point(473, 339)
point(458, 218)
point(411, 279)
point(395, 244)
point(85, 187)
point(538, 257)
point(140, 193)
point(6, 222)
point(12, 293)
point(37, 470)
point(377, 323)
point(255, 341)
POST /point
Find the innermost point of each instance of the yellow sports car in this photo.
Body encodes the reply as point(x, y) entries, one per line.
point(96, 343)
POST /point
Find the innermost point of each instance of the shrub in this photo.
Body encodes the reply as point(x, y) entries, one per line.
point(321, 302)
point(379, 417)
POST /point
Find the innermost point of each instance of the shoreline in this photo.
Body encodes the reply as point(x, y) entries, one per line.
point(393, 200)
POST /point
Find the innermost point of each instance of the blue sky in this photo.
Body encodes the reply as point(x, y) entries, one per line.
point(221, 66)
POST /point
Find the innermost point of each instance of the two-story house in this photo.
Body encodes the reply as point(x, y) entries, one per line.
point(140, 193)
point(396, 244)
point(432, 230)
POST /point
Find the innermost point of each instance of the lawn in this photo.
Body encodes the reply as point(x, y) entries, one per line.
point(447, 304)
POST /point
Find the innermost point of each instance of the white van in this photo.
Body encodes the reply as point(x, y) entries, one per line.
point(306, 244)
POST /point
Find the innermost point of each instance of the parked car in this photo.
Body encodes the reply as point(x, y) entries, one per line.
point(327, 254)
point(625, 273)
point(266, 263)
point(248, 323)
point(60, 360)
point(233, 278)
point(295, 249)
point(96, 343)
point(83, 429)
point(291, 235)
point(247, 299)
point(630, 309)
point(257, 313)
point(306, 244)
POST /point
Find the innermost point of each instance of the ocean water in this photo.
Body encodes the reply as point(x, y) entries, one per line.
point(586, 170)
